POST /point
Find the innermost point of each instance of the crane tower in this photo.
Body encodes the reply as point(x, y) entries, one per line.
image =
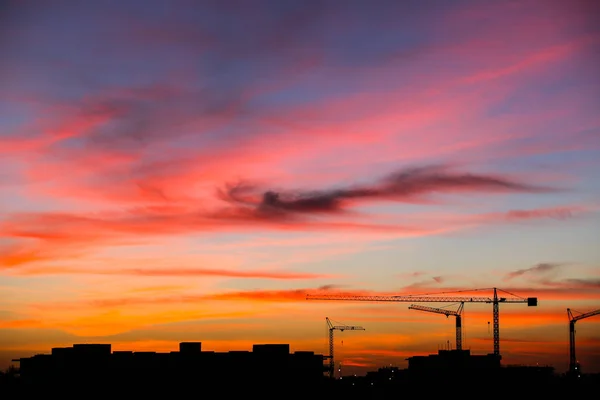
point(573, 364)
point(436, 297)
point(332, 328)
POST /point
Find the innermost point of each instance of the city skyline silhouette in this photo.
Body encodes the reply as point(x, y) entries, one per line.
point(270, 368)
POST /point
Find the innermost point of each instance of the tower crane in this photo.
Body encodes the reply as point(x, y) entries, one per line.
point(573, 364)
point(436, 297)
point(332, 328)
point(446, 312)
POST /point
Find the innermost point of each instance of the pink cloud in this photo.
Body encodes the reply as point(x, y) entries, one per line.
point(156, 180)
point(179, 272)
point(46, 235)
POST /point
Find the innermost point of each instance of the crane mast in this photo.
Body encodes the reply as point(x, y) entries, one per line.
point(430, 298)
point(573, 364)
point(332, 328)
point(446, 312)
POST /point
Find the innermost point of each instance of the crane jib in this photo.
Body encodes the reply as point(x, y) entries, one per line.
point(531, 301)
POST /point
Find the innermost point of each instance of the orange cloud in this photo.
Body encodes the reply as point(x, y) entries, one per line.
point(333, 294)
point(22, 323)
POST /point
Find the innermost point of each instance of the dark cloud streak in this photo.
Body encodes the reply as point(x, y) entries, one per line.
point(398, 186)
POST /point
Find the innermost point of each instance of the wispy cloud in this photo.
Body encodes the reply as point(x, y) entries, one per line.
point(554, 213)
point(553, 290)
point(571, 283)
point(539, 269)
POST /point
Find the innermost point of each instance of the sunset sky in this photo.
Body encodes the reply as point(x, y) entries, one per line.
point(189, 170)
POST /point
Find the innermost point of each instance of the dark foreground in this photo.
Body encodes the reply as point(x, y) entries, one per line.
point(349, 387)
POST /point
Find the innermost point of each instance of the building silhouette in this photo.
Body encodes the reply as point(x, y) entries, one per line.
point(271, 370)
point(95, 365)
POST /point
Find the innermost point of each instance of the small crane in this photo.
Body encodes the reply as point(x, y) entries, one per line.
point(332, 328)
point(457, 314)
point(573, 364)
